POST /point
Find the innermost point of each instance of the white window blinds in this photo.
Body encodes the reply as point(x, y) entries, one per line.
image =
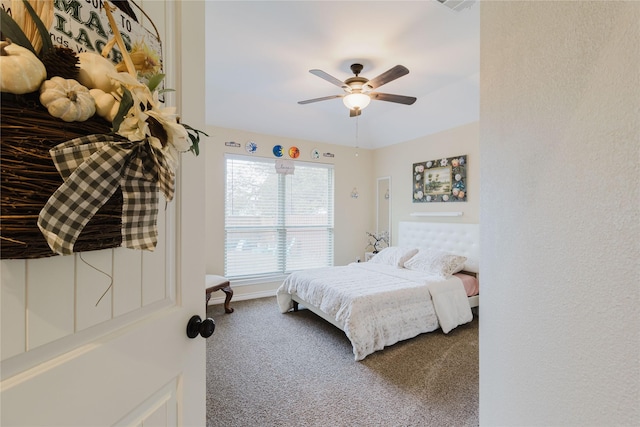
point(276, 223)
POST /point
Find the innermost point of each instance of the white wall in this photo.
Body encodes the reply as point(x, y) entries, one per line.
point(559, 138)
point(396, 161)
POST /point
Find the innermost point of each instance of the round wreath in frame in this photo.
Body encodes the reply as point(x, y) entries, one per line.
point(441, 180)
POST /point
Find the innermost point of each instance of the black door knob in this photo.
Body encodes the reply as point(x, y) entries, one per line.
point(197, 326)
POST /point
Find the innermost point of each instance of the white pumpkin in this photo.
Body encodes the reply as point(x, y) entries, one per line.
point(107, 105)
point(67, 99)
point(20, 70)
point(95, 72)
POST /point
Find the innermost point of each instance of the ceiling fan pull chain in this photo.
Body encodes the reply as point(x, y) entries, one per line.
point(357, 127)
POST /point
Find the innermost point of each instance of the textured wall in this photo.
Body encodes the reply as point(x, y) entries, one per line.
point(559, 142)
point(396, 161)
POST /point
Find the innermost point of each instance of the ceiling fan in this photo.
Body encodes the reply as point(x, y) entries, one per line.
point(358, 90)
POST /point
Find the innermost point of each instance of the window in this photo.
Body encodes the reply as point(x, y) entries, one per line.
point(276, 223)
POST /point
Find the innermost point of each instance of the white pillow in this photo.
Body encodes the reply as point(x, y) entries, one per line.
point(394, 256)
point(436, 262)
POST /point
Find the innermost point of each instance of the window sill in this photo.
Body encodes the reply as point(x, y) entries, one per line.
point(240, 281)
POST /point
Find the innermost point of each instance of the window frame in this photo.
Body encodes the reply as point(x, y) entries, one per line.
point(281, 229)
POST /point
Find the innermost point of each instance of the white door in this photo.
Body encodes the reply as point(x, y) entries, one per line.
point(126, 361)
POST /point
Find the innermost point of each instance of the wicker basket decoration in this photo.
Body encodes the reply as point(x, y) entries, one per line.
point(36, 214)
point(29, 177)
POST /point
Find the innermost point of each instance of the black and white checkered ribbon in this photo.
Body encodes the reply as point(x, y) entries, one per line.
point(93, 167)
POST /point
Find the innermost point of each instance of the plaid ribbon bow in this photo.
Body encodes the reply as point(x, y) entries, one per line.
point(92, 168)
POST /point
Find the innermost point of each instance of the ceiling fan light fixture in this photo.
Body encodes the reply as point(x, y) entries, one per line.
point(356, 101)
point(358, 90)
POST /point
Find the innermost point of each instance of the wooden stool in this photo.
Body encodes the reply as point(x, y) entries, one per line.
point(217, 283)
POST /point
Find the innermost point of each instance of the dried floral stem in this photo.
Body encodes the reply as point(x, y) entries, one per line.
point(381, 238)
point(131, 69)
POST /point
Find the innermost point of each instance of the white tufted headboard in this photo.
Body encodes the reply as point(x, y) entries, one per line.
point(459, 239)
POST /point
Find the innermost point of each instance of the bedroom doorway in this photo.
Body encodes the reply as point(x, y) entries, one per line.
point(383, 207)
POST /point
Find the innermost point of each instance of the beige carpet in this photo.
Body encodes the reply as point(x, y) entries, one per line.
point(265, 368)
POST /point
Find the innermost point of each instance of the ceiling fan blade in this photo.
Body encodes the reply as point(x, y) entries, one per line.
point(355, 112)
point(324, 98)
point(400, 99)
point(386, 77)
point(330, 79)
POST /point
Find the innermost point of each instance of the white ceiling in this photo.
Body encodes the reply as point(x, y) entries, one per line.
point(259, 54)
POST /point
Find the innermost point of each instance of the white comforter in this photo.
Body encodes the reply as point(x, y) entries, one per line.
point(379, 305)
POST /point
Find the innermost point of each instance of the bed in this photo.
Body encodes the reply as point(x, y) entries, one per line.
point(418, 286)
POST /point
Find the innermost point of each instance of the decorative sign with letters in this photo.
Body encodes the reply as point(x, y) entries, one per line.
point(82, 25)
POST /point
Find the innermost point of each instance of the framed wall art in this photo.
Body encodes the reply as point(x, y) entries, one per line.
point(442, 180)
